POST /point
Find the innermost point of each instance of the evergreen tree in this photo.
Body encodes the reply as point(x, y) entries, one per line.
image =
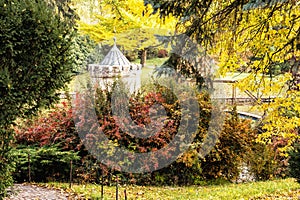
point(35, 62)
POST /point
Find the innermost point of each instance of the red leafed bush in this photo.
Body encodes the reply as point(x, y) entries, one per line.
point(53, 127)
point(51, 141)
point(141, 113)
point(162, 53)
point(235, 143)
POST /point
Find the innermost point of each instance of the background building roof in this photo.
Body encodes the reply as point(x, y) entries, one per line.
point(115, 57)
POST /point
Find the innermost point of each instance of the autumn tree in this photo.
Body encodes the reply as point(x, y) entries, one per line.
point(251, 35)
point(131, 22)
point(35, 62)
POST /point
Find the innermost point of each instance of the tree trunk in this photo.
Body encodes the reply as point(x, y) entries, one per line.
point(143, 57)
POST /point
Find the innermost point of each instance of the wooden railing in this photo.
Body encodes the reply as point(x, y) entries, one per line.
point(243, 100)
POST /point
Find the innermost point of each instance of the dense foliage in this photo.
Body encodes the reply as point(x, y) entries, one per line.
point(55, 132)
point(260, 37)
point(54, 127)
point(235, 147)
point(35, 63)
point(51, 142)
point(235, 141)
point(83, 53)
point(131, 22)
point(42, 164)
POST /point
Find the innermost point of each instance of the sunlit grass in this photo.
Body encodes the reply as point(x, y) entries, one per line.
point(153, 62)
point(253, 190)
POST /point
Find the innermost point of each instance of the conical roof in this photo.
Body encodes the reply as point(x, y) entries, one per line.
point(115, 57)
point(114, 64)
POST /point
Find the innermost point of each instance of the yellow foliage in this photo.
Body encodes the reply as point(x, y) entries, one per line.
point(262, 39)
point(130, 21)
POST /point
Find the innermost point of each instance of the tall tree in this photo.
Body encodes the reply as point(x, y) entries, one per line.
point(254, 35)
point(35, 62)
point(131, 22)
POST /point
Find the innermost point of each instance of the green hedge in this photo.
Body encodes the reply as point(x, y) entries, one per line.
point(47, 163)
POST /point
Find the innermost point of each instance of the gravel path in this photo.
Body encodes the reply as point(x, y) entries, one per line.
point(32, 192)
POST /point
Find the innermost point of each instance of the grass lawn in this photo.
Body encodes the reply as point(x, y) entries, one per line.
point(148, 69)
point(146, 74)
point(153, 62)
point(275, 189)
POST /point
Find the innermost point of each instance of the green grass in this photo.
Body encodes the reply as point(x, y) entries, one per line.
point(253, 190)
point(146, 75)
point(156, 61)
point(148, 69)
point(153, 62)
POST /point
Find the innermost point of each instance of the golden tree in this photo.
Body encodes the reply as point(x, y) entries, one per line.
point(131, 22)
point(254, 36)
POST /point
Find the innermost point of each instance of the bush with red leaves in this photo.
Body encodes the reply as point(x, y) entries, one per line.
point(162, 53)
point(53, 127)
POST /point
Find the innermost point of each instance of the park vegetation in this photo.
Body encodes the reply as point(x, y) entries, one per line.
point(40, 52)
point(51, 139)
point(259, 37)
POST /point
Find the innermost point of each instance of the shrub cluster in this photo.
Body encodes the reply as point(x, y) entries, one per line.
point(234, 148)
point(47, 143)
